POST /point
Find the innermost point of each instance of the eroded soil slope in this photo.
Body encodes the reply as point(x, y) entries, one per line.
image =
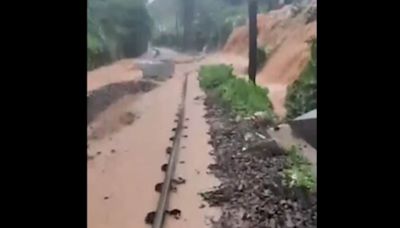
point(284, 33)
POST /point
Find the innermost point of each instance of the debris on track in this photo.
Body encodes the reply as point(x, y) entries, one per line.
point(178, 181)
point(100, 99)
point(176, 213)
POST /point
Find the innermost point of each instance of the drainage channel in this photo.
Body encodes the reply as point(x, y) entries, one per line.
point(166, 187)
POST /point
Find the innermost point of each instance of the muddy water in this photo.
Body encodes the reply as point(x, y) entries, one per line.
point(125, 158)
point(112, 119)
point(99, 100)
point(121, 178)
point(123, 70)
point(195, 212)
point(277, 95)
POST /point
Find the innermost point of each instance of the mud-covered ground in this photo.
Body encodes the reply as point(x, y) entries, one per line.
point(250, 168)
point(100, 99)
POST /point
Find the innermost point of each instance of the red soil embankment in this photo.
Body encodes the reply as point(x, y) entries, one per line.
point(285, 35)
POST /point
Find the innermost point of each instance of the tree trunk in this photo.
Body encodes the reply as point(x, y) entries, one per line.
point(188, 16)
point(177, 35)
point(252, 40)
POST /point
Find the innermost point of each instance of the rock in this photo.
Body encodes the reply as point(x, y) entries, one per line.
point(248, 136)
point(176, 213)
point(179, 180)
point(164, 167)
point(169, 150)
point(150, 217)
point(238, 118)
point(289, 223)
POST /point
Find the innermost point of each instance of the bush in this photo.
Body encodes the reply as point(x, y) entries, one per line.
point(241, 96)
point(244, 97)
point(213, 76)
point(302, 94)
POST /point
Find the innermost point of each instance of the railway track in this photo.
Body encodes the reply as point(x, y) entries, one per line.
point(166, 187)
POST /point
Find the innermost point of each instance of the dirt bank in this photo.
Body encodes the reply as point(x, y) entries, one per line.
point(284, 33)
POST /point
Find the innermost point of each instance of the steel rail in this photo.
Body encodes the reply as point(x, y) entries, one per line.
point(166, 187)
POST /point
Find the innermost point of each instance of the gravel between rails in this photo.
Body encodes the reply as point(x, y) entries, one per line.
point(252, 193)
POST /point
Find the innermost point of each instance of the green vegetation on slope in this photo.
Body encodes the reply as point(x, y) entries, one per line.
point(116, 29)
point(299, 173)
point(302, 94)
point(241, 96)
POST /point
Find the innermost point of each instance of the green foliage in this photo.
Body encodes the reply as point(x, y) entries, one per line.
point(244, 97)
point(97, 53)
point(241, 96)
point(116, 29)
point(213, 22)
point(94, 50)
point(213, 76)
point(302, 94)
point(300, 172)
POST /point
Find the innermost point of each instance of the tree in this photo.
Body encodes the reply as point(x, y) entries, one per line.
point(252, 40)
point(188, 16)
point(116, 29)
point(206, 22)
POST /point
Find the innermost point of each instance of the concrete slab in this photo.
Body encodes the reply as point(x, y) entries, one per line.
point(156, 68)
point(305, 127)
point(309, 115)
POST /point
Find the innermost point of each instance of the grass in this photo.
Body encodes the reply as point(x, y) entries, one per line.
point(300, 172)
point(241, 96)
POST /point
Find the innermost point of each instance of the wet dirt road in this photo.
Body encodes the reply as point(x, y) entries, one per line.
point(125, 157)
